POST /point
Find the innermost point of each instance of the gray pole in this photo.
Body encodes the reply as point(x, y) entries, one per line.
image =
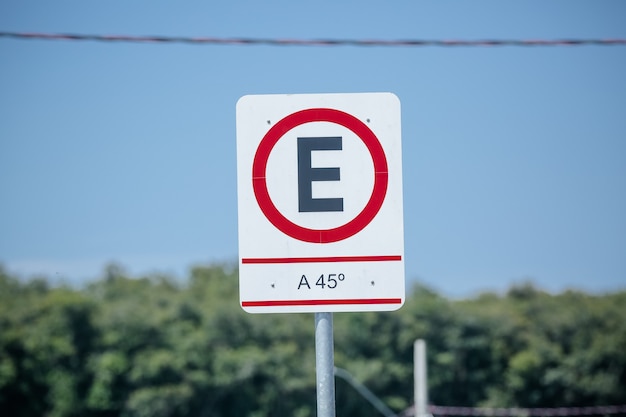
point(366, 393)
point(324, 364)
point(420, 375)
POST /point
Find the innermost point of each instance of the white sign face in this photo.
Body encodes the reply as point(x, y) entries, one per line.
point(319, 181)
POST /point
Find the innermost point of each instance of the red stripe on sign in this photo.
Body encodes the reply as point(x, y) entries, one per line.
point(347, 301)
point(378, 258)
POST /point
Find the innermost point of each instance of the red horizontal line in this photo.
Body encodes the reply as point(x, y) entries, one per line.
point(376, 258)
point(346, 301)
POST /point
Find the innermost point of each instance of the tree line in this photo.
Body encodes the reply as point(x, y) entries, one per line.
point(157, 347)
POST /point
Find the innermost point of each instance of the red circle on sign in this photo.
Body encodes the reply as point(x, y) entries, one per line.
point(259, 168)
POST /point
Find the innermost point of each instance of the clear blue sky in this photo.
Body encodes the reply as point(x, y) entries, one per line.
point(514, 159)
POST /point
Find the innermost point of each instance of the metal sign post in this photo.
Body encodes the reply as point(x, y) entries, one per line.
point(325, 364)
point(420, 375)
point(319, 186)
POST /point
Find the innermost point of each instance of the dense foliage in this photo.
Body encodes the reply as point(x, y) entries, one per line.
point(156, 347)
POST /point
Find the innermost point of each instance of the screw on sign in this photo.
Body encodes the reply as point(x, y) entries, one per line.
point(320, 203)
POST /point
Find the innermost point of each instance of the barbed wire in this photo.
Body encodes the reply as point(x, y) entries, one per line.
point(601, 410)
point(314, 42)
point(535, 412)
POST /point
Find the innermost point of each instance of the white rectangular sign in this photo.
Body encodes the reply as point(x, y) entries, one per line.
point(319, 181)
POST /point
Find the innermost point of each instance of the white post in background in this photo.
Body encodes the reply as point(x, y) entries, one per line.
point(420, 376)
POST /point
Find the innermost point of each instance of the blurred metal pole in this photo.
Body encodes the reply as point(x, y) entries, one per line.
point(420, 376)
point(325, 364)
point(365, 392)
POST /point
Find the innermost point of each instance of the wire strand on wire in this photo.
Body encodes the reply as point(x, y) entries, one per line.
point(314, 42)
point(601, 410)
point(533, 412)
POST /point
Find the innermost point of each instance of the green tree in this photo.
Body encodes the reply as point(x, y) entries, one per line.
point(153, 346)
point(46, 337)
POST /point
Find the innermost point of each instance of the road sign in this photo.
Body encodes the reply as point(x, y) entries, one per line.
point(319, 181)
